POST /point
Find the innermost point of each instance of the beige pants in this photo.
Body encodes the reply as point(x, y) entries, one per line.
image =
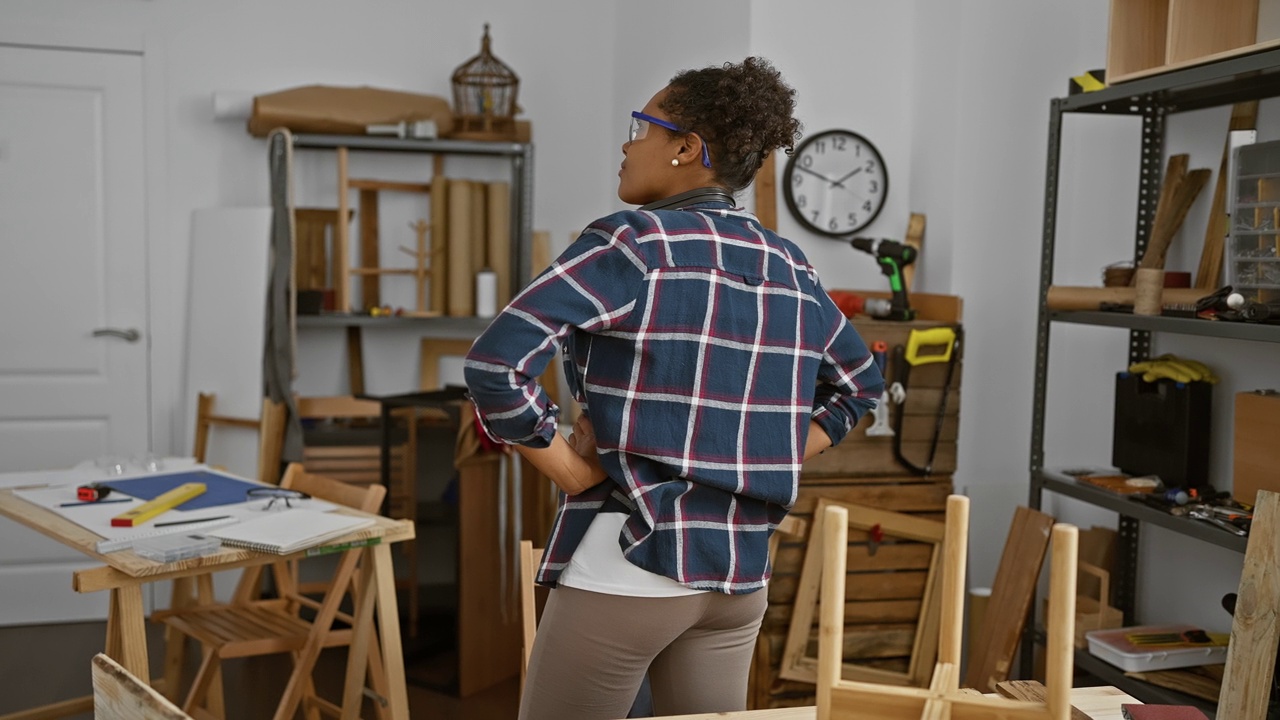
point(592, 652)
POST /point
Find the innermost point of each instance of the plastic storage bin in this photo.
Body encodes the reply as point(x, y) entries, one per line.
point(1162, 428)
point(1158, 647)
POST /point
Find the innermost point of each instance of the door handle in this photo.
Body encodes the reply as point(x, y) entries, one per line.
point(128, 335)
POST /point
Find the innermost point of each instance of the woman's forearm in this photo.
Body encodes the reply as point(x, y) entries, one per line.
point(817, 442)
point(570, 471)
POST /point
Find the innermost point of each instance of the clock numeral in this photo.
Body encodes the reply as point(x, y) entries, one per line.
point(871, 166)
point(853, 220)
point(801, 201)
point(807, 161)
point(820, 147)
point(857, 150)
point(797, 180)
point(866, 206)
point(838, 143)
point(875, 186)
point(815, 216)
point(832, 225)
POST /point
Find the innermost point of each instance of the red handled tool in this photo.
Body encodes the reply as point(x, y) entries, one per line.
point(92, 492)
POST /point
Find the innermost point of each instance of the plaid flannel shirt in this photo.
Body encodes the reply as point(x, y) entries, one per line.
point(700, 344)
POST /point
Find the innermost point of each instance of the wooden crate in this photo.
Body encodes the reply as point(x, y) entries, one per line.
point(883, 590)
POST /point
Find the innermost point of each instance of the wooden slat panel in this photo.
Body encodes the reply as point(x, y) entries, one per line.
point(899, 498)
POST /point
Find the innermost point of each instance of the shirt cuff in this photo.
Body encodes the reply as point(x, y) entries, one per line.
point(545, 428)
point(831, 423)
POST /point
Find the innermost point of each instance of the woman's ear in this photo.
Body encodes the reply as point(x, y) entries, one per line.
point(689, 150)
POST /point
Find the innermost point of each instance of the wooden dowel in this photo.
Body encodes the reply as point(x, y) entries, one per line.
point(366, 184)
point(1060, 648)
point(835, 533)
point(1064, 297)
point(956, 545)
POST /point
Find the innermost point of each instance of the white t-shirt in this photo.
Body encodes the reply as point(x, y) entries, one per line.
point(599, 566)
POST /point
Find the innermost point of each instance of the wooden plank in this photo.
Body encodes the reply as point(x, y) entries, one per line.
point(1255, 626)
point(855, 612)
point(1198, 29)
point(767, 193)
point(914, 238)
point(439, 243)
point(899, 498)
point(365, 184)
point(355, 360)
point(1032, 691)
point(461, 282)
point(342, 240)
point(120, 695)
point(488, 642)
point(1011, 596)
point(499, 240)
point(370, 282)
point(1136, 37)
point(1209, 273)
point(877, 458)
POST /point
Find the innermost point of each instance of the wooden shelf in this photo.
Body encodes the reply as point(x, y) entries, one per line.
point(1149, 37)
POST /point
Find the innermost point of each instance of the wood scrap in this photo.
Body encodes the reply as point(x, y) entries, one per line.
point(1011, 595)
point(1255, 625)
point(914, 238)
point(1176, 196)
point(1203, 681)
point(1032, 691)
point(767, 194)
point(1244, 116)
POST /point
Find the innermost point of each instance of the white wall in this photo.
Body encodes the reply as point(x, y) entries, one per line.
point(954, 94)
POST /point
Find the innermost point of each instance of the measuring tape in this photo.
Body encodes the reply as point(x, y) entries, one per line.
point(159, 504)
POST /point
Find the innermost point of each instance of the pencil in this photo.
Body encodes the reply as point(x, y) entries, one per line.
point(193, 520)
point(94, 502)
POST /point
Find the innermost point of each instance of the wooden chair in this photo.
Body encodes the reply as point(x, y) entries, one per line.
point(361, 465)
point(119, 695)
point(840, 698)
point(270, 427)
point(249, 627)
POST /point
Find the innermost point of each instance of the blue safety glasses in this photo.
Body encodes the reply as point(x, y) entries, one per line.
point(640, 127)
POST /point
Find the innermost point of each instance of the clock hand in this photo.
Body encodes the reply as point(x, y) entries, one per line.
point(840, 182)
point(818, 175)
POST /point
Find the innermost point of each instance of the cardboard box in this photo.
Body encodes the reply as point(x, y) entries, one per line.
point(1257, 453)
point(344, 110)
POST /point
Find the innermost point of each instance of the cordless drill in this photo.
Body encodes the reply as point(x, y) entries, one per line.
point(893, 257)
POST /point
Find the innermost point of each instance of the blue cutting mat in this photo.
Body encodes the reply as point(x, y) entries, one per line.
point(219, 489)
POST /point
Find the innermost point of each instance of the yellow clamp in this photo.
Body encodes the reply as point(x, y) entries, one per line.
point(939, 341)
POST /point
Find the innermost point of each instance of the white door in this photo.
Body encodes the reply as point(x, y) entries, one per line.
point(73, 293)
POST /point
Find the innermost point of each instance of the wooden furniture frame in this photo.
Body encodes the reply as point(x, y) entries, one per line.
point(942, 699)
point(124, 574)
point(120, 695)
point(530, 557)
point(796, 663)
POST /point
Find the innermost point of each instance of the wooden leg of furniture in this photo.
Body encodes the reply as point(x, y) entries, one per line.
point(126, 631)
point(200, 685)
point(64, 709)
point(389, 633)
point(175, 642)
point(362, 633)
point(300, 680)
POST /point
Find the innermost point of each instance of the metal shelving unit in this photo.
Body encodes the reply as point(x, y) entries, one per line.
point(1151, 99)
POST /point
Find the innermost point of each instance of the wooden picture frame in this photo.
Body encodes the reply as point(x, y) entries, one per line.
point(799, 665)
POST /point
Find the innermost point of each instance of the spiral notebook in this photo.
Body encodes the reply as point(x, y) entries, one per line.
point(289, 531)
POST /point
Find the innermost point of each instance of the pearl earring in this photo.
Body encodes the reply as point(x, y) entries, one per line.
point(675, 162)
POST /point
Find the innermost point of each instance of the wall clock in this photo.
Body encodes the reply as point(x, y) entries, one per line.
point(835, 183)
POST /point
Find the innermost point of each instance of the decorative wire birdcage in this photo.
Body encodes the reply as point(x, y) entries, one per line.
point(484, 93)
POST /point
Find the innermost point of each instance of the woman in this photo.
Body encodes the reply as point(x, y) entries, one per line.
point(709, 363)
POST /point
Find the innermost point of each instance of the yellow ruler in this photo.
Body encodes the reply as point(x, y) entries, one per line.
point(159, 504)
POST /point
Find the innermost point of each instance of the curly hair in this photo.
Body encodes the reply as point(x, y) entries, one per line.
point(742, 111)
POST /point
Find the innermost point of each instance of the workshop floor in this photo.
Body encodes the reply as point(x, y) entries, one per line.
point(42, 664)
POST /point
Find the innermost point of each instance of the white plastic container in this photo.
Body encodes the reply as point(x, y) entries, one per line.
point(1158, 647)
point(177, 546)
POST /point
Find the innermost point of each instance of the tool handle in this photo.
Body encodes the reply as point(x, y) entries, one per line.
point(943, 338)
